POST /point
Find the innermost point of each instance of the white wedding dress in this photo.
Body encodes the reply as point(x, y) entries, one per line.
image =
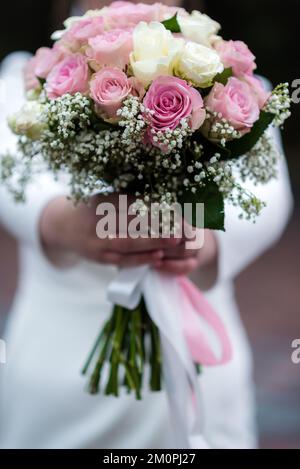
point(57, 315)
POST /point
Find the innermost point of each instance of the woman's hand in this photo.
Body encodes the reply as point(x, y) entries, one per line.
point(65, 228)
point(183, 261)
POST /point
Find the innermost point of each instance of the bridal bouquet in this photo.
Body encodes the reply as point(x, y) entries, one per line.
point(147, 100)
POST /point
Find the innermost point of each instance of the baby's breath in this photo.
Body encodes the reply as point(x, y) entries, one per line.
point(260, 164)
point(219, 128)
point(67, 115)
point(100, 156)
point(132, 120)
point(172, 139)
point(279, 104)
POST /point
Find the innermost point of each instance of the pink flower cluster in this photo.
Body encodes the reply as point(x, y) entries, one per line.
point(242, 98)
point(93, 57)
point(105, 40)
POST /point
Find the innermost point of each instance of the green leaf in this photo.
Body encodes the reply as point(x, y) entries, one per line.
point(244, 144)
point(99, 124)
point(172, 24)
point(102, 125)
point(238, 147)
point(42, 81)
point(224, 76)
point(211, 197)
point(219, 78)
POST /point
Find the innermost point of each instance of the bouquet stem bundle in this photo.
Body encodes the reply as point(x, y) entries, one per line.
point(128, 341)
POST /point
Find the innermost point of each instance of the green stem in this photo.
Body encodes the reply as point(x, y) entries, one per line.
point(156, 369)
point(139, 335)
point(122, 318)
point(122, 343)
point(136, 369)
point(129, 377)
point(99, 339)
point(95, 378)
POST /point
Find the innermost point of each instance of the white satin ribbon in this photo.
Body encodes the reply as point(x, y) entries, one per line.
point(162, 298)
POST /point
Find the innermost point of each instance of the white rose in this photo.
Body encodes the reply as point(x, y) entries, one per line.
point(199, 28)
point(198, 64)
point(155, 52)
point(28, 121)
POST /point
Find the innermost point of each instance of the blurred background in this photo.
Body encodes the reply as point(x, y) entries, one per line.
point(268, 292)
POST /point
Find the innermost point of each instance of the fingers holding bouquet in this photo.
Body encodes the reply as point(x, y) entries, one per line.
point(182, 260)
point(68, 228)
point(64, 227)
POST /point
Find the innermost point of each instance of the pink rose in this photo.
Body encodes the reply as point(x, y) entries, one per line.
point(237, 55)
point(258, 89)
point(109, 88)
point(69, 76)
point(127, 14)
point(170, 100)
point(235, 102)
point(31, 81)
point(46, 59)
point(81, 31)
point(111, 49)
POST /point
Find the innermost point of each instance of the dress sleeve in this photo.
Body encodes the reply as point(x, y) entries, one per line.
point(20, 219)
point(243, 241)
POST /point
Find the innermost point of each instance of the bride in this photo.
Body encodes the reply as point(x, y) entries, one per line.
point(61, 304)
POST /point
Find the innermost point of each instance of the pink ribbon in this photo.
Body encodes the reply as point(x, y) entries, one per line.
point(189, 329)
point(195, 304)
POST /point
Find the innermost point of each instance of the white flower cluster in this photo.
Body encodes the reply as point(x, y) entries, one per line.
point(260, 164)
point(67, 115)
point(172, 139)
point(221, 172)
point(15, 174)
point(132, 120)
point(224, 175)
point(219, 129)
point(197, 175)
point(279, 104)
point(247, 202)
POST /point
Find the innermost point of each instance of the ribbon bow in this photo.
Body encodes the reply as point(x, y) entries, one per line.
point(190, 331)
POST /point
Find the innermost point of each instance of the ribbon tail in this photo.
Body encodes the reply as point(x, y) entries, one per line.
point(162, 297)
point(203, 328)
point(179, 392)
